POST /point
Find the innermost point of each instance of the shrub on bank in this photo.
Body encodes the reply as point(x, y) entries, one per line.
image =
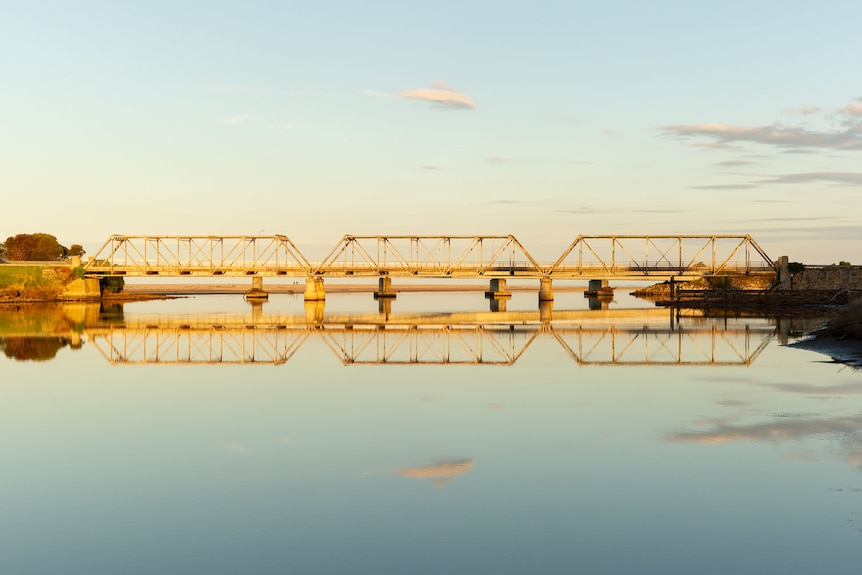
point(848, 322)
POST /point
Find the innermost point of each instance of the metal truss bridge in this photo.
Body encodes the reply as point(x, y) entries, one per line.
point(586, 257)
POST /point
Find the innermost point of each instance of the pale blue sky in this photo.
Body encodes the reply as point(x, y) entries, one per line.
point(541, 119)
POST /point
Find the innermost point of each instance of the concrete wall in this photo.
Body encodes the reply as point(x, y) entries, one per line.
point(828, 278)
point(82, 289)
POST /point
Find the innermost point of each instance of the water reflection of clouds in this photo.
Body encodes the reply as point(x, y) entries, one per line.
point(846, 430)
point(440, 473)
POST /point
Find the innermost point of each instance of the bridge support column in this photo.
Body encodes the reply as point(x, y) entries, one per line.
point(497, 290)
point(546, 290)
point(782, 267)
point(498, 305)
point(314, 289)
point(256, 292)
point(598, 287)
point(384, 288)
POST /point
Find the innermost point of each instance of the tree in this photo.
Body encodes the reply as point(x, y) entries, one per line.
point(76, 250)
point(34, 247)
point(2, 251)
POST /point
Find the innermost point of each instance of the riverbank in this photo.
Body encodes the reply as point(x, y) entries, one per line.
point(842, 351)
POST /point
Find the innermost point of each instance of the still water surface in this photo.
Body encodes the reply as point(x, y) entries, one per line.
point(203, 436)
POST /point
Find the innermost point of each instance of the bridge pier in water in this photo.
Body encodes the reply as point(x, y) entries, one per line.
point(546, 290)
point(256, 292)
point(314, 289)
point(497, 290)
point(384, 289)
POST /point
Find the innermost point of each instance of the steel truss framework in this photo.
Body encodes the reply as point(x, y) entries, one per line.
point(587, 257)
point(432, 344)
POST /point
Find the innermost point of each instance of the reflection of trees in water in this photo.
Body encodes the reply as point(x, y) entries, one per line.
point(32, 348)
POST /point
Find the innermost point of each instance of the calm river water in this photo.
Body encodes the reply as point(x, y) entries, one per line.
point(203, 435)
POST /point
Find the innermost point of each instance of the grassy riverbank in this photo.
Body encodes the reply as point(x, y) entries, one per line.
point(33, 283)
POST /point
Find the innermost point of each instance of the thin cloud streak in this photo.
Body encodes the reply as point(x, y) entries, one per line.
point(787, 137)
point(777, 135)
point(441, 95)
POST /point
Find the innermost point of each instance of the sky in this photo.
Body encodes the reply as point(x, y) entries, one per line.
point(541, 119)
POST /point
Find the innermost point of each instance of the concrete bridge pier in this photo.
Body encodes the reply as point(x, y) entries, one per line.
point(546, 290)
point(497, 290)
point(314, 289)
point(384, 289)
point(782, 269)
point(598, 288)
point(498, 305)
point(256, 292)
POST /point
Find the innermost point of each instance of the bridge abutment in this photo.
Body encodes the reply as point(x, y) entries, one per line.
point(314, 289)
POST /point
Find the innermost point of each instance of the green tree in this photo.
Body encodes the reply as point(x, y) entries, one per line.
point(76, 250)
point(34, 247)
point(2, 251)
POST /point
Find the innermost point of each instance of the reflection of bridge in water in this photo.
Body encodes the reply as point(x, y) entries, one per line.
point(639, 337)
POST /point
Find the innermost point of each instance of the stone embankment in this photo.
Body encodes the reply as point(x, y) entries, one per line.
point(832, 278)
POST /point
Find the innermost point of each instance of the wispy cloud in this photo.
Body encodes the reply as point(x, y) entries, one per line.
point(238, 119)
point(724, 187)
point(735, 163)
point(850, 179)
point(440, 94)
point(777, 135)
point(234, 446)
point(846, 135)
point(231, 88)
point(497, 160)
point(803, 111)
point(429, 167)
point(837, 178)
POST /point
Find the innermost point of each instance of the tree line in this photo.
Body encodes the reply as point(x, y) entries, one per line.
point(36, 248)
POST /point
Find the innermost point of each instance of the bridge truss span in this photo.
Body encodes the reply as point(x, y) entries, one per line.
point(661, 255)
point(429, 256)
point(199, 256)
point(653, 257)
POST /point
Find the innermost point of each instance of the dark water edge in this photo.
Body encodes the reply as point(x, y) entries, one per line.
point(845, 351)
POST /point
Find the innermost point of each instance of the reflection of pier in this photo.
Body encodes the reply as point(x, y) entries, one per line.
point(401, 342)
